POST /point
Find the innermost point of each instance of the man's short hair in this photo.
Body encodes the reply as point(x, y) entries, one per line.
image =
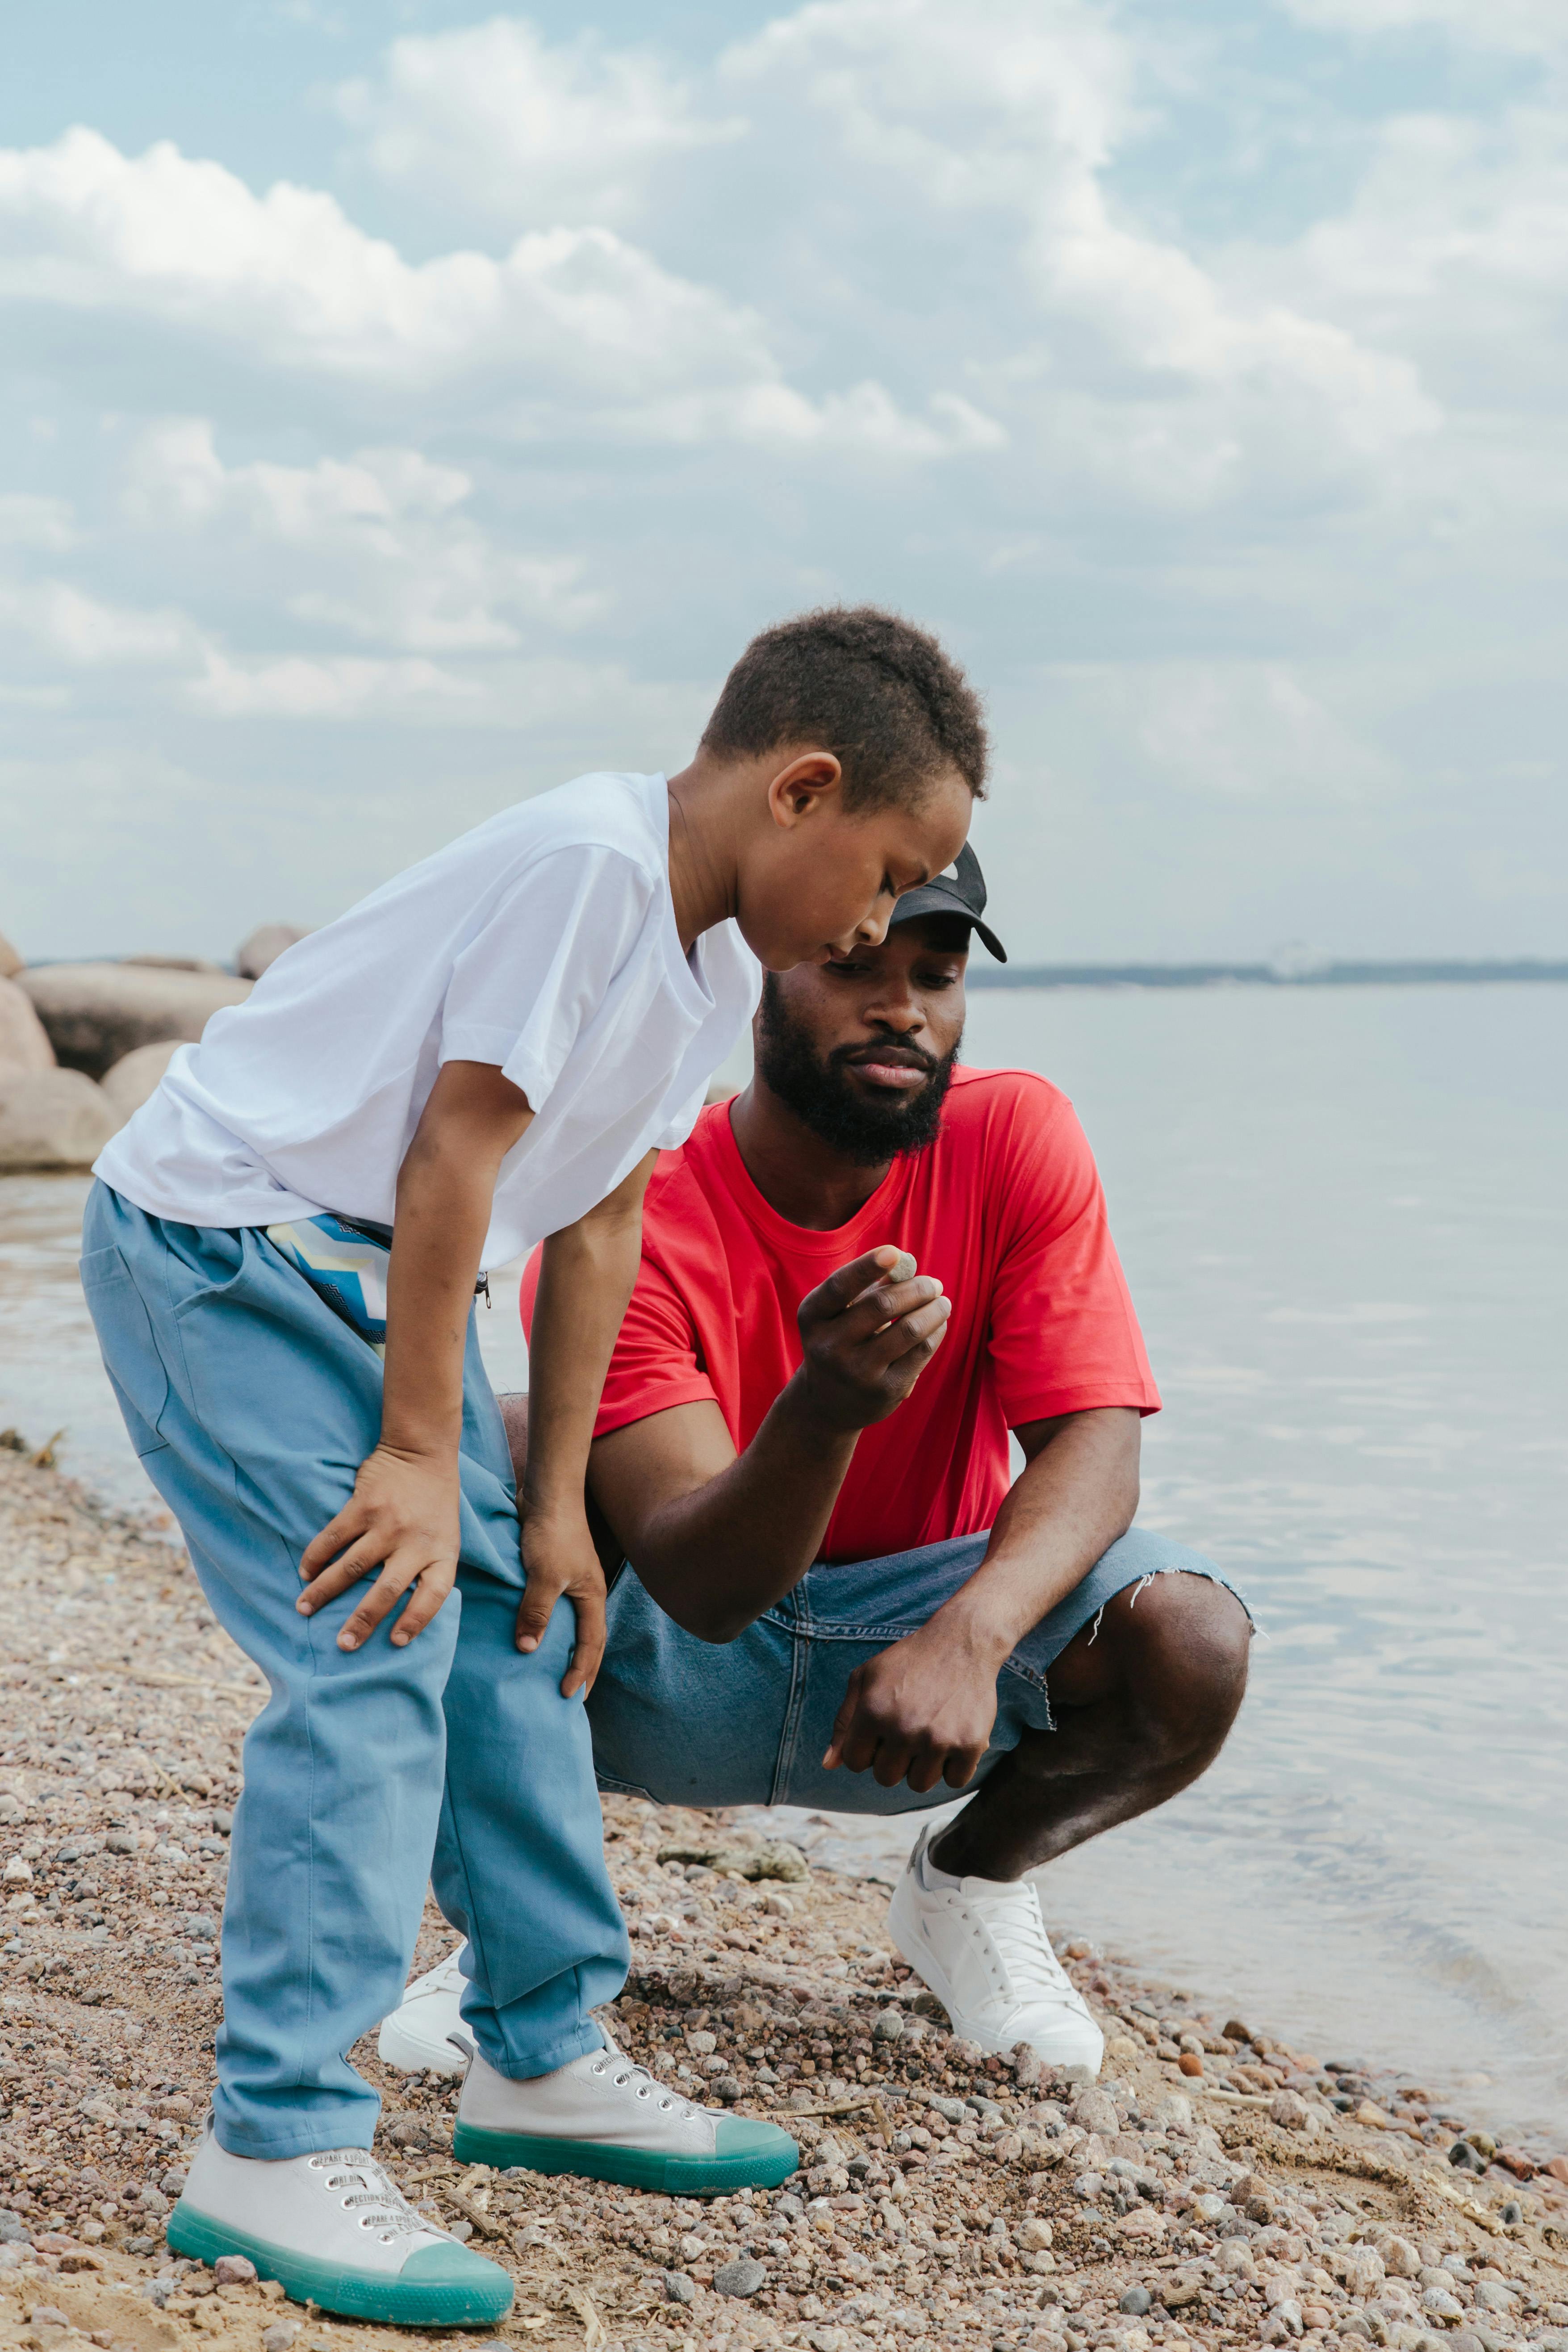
point(869, 686)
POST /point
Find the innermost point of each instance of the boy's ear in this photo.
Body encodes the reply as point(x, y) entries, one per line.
point(809, 780)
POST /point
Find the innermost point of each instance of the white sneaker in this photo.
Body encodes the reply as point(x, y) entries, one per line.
point(981, 1945)
point(603, 2116)
point(338, 2232)
point(415, 2036)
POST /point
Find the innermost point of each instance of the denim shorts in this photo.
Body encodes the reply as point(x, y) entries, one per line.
point(688, 1722)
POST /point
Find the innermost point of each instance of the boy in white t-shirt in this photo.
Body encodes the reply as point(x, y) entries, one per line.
point(282, 1258)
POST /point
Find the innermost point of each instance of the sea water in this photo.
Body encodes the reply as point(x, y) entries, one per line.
point(1340, 1215)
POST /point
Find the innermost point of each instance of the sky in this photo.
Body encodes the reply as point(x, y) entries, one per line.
point(404, 408)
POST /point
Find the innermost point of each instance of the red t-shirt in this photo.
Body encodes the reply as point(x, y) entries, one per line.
point(1005, 1207)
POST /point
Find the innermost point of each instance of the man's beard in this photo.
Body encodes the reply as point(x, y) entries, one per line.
point(823, 1097)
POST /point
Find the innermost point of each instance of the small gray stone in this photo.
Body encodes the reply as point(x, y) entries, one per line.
point(234, 2270)
point(14, 2230)
point(46, 2315)
point(678, 2288)
point(889, 2026)
point(728, 2089)
point(1136, 2300)
point(280, 2335)
point(741, 2277)
point(173, 2185)
point(952, 2111)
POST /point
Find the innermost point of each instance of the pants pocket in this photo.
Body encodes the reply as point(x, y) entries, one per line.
point(131, 1355)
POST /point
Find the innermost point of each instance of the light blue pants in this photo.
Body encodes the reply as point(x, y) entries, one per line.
point(252, 1404)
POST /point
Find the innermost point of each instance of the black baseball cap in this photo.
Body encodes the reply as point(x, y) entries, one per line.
point(958, 890)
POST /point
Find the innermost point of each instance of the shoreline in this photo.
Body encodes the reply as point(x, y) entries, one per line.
point(945, 2198)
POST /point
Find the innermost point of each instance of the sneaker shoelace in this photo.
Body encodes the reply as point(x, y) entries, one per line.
point(447, 1978)
point(377, 2199)
point(644, 2085)
point(1011, 1925)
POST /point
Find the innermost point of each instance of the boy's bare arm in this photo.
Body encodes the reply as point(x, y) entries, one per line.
point(402, 1515)
point(584, 1282)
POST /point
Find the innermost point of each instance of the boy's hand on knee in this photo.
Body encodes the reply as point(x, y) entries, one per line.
point(402, 1517)
point(921, 1712)
point(562, 1561)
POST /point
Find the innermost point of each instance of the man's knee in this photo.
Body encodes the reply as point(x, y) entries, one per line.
point(1186, 1641)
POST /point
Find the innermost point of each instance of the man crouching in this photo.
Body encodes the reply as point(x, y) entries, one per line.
point(856, 1278)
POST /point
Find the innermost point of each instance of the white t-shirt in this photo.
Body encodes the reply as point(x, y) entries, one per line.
point(543, 941)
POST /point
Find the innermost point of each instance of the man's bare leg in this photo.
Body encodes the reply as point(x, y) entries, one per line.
point(1143, 1707)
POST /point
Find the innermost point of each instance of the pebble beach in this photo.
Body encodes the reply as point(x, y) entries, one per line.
point(1214, 2189)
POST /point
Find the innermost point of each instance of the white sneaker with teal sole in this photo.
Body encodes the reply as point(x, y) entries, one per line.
point(415, 2036)
point(335, 2230)
point(981, 1946)
point(602, 2116)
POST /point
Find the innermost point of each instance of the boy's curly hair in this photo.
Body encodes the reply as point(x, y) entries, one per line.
point(865, 685)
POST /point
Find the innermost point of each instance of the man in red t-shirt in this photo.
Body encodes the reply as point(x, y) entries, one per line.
point(856, 1278)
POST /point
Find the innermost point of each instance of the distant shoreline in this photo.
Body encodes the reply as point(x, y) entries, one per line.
point(1257, 975)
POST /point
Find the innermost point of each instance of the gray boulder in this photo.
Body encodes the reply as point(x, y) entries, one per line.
point(53, 1119)
point(264, 946)
point(10, 962)
point(96, 1013)
point(24, 1041)
point(137, 1076)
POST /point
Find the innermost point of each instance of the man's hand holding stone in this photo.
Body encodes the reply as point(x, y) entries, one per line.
point(867, 1335)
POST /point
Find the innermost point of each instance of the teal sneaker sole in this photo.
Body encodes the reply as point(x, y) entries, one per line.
point(748, 2156)
point(440, 2287)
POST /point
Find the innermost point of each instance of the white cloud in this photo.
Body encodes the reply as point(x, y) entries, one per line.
point(494, 120)
point(289, 278)
point(27, 520)
point(380, 537)
point(1012, 112)
point(301, 687)
point(66, 625)
point(1538, 28)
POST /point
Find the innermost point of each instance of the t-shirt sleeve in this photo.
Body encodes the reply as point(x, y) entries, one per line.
point(542, 964)
point(1063, 1336)
point(656, 1363)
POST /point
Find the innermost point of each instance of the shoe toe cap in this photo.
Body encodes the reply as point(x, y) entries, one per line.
point(483, 2285)
point(740, 2140)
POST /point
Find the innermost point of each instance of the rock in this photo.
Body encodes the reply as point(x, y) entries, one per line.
point(24, 1041)
point(1557, 2166)
point(1438, 2303)
point(1290, 2111)
point(264, 947)
point(96, 1013)
point(137, 1076)
point(1283, 2322)
point(1136, 2300)
point(1234, 2030)
point(678, 2288)
point(1400, 2259)
point(1176, 2293)
point(14, 2230)
point(1190, 2062)
point(740, 2278)
point(1174, 2113)
point(1512, 2213)
point(703, 2044)
point(279, 2335)
point(1122, 2048)
point(172, 964)
point(234, 2270)
point(16, 1872)
point(1095, 2111)
point(889, 2026)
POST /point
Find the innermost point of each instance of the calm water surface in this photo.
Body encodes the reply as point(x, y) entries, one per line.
point(1340, 1212)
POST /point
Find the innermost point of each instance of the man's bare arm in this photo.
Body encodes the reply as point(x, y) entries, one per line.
point(718, 1538)
point(923, 1709)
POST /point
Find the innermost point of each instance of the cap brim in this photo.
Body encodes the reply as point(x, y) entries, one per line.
point(932, 899)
